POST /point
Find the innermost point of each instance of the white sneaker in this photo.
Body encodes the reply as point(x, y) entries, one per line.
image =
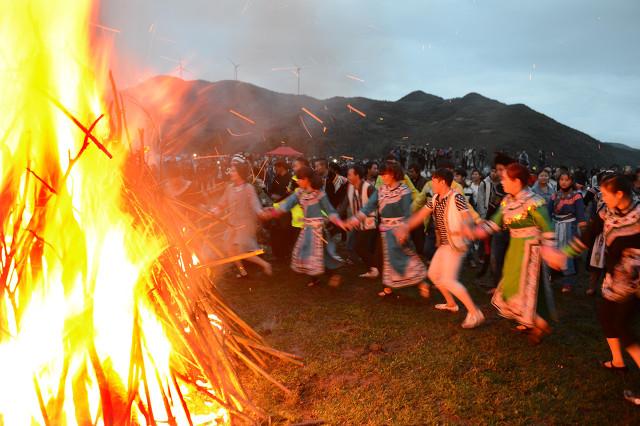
point(445, 307)
point(371, 273)
point(473, 321)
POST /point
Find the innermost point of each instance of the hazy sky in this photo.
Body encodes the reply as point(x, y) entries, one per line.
point(577, 61)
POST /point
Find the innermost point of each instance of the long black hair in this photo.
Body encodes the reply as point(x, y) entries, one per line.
point(570, 176)
point(306, 172)
point(618, 182)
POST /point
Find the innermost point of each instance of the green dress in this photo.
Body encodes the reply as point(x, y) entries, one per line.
point(527, 218)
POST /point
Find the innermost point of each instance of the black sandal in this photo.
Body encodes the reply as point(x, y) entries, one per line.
point(608, 365)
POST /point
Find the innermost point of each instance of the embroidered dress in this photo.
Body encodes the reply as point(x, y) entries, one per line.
point(243, 202)
point(314, 251)
point(517, 296)
point(621, 233)
point(567, 211)
point(401, 266)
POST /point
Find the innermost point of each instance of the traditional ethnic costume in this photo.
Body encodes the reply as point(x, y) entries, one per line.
point(314, 251)
point(242, 201)
point(401, 266)
point(517, 297)
point(567, 211)
point(621, 286)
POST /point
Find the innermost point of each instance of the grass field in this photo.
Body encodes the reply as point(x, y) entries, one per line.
point(398, 361)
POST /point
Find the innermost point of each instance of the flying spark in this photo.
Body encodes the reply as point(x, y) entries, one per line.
point(102, 27)
point(353, 77)
point(356, 110)
point(305, 126)
point(237, 114)
point(312, 115)
point(237, 134)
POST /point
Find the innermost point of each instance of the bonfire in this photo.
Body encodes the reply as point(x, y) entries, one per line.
point(108, 313)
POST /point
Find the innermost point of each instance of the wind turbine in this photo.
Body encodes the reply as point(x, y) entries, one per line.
point(296, 70)
point(180, 68)
point(235, 69)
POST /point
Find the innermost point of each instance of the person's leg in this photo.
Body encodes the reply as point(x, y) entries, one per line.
point(313, 281)
point(435, 272)
point(365, 247)
point(628, 340)
point(360, 246)
point(417, 235)
point(241, 271)
point(351, 243)
point(429, 246)
point(569, 277)
point(608, 315)
point(448, 282)
point(266, 266)
point(499, 244)
point(595, 279)
point(634, 351)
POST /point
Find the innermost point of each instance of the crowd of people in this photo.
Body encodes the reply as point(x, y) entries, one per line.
point(521, 223)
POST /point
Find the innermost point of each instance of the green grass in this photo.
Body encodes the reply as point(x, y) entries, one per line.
point(427, 369)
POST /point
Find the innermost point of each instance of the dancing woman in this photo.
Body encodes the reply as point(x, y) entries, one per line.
point(241, 200)
point(401, 266)
point(525, 215)
point(619, 223)
point(314, 251)
point(566, 208)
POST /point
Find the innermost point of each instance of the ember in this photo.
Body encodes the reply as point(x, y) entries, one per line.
point(312, 115)
point(243, 117)
point(356, 110)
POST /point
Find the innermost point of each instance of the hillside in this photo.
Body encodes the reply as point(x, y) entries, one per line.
point(194, 116)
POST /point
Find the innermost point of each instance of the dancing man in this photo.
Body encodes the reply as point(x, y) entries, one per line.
point(451, 213)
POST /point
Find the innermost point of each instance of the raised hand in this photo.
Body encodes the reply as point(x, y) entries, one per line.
point(554, 258)
point(268, 213)
point(401, 233)
point(351, 223)
point(468, 232)
point(341, 224)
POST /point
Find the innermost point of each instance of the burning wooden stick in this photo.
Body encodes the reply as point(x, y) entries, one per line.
point(312, 115)
point(232, 259)
point(243, 117)
point(356, 110)
point(49, 187)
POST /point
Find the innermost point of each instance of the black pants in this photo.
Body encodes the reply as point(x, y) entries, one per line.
point(616, 319)
point(365, 247)
point(283, 237)
point(499, 245)
point(418, 237)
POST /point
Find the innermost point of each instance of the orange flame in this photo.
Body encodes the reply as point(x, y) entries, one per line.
point(70, 304)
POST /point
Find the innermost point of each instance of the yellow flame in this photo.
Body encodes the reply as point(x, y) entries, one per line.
point(79, 287)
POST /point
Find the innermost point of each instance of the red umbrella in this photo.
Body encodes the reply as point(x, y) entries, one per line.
point(285, 151)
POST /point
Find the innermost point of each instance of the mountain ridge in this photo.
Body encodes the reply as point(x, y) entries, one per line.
point(196, 116)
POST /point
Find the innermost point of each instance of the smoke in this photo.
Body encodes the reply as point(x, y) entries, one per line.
point(516, 52)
